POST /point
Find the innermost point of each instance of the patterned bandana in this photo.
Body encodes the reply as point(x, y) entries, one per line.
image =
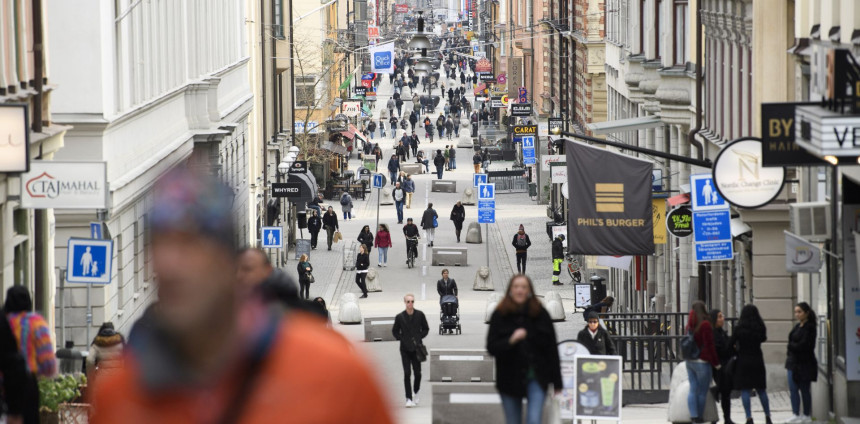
point(190, 202)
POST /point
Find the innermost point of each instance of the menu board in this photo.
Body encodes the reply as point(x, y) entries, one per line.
point(597, 381)
point(583, 295)
point(567, 350)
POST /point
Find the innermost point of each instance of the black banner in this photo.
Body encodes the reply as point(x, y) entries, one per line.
point(610, 202)
point(299, 167)
point(286, 189)
point(679, 222)
point(521, 109)
point(777, 134)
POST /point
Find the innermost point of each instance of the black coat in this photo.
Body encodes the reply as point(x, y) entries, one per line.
point(519, 248)
point(721, 344)
point(427, 219)
point(557, 249)
point(314, 224)
point(439, 160)
point(801, 352)
point(366, 238)
point(537, 351)
point(362, 261)
point(330, 220)
point(444, 288)
point(749, 371)
point(600, 344)
point(458, 215)
point(410, 331)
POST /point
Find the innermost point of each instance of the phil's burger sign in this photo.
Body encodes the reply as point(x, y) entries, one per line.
point(65, 185)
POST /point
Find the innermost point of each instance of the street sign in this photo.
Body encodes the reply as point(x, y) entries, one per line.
point(704, 195)
point(286, 189)
point(529, 141)
point(529, 151)
point(487, 192)
point(272, 237)
point(378, 181)
point(96, 230)
point(486, 204)
point(716, 251)
point(486, 216)
point(89, 261)
point(478, 179)
point(712, 235)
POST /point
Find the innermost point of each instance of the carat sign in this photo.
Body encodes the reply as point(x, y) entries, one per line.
point(65, 185)
point(740, 178)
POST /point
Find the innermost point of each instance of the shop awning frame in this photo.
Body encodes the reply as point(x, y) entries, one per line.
point(623, 125)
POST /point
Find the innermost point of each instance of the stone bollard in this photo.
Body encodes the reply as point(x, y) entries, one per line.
point(492, 301)
point(386, 198)
point(469, 196)
point(373, 283)
point(473, 234)
point(482, 280)
point(552, 303)
point(349, 312)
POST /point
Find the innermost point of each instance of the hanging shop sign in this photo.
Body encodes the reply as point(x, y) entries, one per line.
point(14, 138)
point(484, 65)
point(502, 79)
point(515, 75)
point(778, 137)
point(801, 255)
point(401, 8)
point(525, 129)
point(351, 108)
point(359, 91)
point(521, 109)
point(496, 102)
point(740, 178)
point(65, 185)
point(679, 222)
point(827, 133)
point(286, 189)
point(556, 125)
point(299, 167)
point(658, 210)
point(486, 77)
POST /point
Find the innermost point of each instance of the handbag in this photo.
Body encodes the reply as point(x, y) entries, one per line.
point(337, 237)
point(689, 349)
point(420, 350)
point(310, 277)
point(435, 222)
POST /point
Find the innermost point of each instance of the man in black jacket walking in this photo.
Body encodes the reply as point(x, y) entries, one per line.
point(429, 221)
point(410, 327)
point(594, 337)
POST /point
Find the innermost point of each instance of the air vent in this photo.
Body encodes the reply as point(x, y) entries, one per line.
point(810, 220)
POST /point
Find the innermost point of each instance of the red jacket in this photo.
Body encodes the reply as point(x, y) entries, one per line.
point(705, 339)
point(383, 239)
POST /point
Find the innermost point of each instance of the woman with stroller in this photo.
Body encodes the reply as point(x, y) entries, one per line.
point(446, 287)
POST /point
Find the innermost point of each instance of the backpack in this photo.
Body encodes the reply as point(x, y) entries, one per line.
point(344, 200)
point(521, 241)
point(689, 348)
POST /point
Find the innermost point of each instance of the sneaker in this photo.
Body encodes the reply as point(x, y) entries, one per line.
point(364, 296)
point(793, 419)
point(415, 399)
point(805, 419)
point(410, 403)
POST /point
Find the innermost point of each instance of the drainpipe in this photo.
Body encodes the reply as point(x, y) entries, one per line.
point(691, 136)
point(263, 103)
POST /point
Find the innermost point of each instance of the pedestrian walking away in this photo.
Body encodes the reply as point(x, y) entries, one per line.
point(458, 215)
point(410, 328)
point(476, 161)
point(330, 224)
point(362, 263)
point(399, 196)
point(522, 339)
point(446, 286)
point(305, 272)
point(105, 354)
point(429, 222)
point(393, 169)
point(365, 237)
point(314, 226)
point(521, 244)
point(445, 153)
point(725, 352)
point(409, 188)
point(485, 160)
point(452, 156)
point(557, 258)
point(346, 205)
point(800, 363)
point(750, 373)
point(595, 337)
point(382, 243)
point(699, 369)
point(439, 162)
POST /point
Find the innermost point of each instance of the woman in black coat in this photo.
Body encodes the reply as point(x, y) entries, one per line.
point(365, 237)
point(801, 363)
point(314, 226)
point(595, 337)
point(522, 339)
point(458, 215)
point(749, 373)
point(725, 351)
point(362, 263)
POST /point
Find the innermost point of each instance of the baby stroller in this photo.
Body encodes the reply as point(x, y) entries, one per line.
point(449, 317)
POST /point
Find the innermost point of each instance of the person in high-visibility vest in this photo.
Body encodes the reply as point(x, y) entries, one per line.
point(557, 258)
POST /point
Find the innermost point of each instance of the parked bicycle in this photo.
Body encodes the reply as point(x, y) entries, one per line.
point(574, 268)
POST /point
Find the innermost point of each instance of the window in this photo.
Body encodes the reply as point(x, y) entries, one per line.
point(680, 31)
point(658, 41)
point(306, 91)
point(278, 19)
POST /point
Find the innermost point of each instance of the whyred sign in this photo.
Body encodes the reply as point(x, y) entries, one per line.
point(401, 8)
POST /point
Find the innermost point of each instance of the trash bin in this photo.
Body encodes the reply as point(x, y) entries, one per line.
point(533, 189)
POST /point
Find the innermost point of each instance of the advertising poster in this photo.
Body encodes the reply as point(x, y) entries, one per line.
point(598, 387)
point(567, 351)
point(583, 295)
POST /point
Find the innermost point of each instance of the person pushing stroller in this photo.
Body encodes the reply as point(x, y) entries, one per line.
point(447, 287)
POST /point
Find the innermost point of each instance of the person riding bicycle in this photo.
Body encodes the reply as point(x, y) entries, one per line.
point(557, 258)
point(410, 230)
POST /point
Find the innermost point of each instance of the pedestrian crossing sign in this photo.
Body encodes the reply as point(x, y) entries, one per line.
point(486, 192)
point(478, 179)
point(272, 237)
point(704, 195)
point(378, 181)
point(89, 261)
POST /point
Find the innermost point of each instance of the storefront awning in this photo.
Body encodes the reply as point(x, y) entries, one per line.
point(334, 148)
point(309, 187)
point(622, 125)
point(347, 134)
point(678, 200)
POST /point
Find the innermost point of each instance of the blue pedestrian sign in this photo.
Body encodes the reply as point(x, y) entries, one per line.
point(378, 181)
point(478, 179)
point(96, 230)
point(486, 216)
point(718, 251)
point(89, 261)
point(486, 204)
point(528, 141)
point(486, 192)
point(272, 237)
point(712, 235)
point(704, 195)
point(529, 150)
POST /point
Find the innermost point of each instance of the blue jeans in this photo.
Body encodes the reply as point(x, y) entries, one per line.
point(699, 374)
point(439, 170)
point(393, 175)
point(762, 396)
point(798, 392)
point(383, 254)
point(513, 405)
point(452, 163)
point(347, 215)
point(399, 205)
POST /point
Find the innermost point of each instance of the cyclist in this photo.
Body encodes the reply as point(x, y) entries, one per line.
point(410, 230)
point(557, 258)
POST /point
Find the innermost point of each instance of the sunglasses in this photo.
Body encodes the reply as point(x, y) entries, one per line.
point(594, 322)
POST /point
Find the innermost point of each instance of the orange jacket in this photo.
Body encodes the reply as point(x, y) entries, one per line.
point(311, 375)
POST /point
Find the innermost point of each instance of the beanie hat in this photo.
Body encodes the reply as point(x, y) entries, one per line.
point(591, 315)
point(522, 228)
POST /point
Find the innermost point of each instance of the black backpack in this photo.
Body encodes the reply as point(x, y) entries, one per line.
point(689, 348)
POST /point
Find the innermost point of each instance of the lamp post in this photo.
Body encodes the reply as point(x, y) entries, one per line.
point(283, 169)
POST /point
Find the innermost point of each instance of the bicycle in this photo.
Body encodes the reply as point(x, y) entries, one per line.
point(411, 251)
point(574, 269)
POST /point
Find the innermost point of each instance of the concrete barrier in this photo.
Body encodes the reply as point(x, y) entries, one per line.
point(443, 186)
point(470, 196)
point(449, 256)
point(386, 198)
point(552, 304)
point(473, 233)
point(372, 280)
point(482, 280)
point(492, 301)
point(349, 312)
point(466, 403)
point(378, 329)
point(412, 168)
point(465, 143)
point(461, 365)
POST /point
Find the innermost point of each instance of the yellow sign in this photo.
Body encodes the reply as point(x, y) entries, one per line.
point(505, 100)
point(658, 207)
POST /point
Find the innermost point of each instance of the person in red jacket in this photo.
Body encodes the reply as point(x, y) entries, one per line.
point(383, 242)
point(699, 370)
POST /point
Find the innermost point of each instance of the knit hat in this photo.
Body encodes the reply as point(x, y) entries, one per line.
point(522, 228)
point(591, 315)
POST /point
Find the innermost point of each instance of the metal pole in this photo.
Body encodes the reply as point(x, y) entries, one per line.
point(487, 242)
point(62, 307)
point(378, 195)
point(89, 314)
